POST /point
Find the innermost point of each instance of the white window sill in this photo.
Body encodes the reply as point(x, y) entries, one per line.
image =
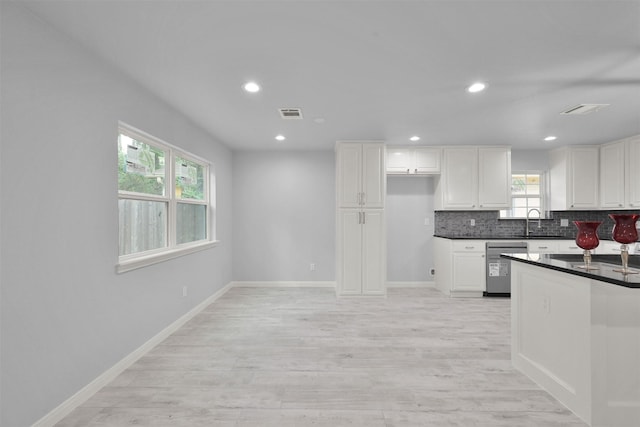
point(147, 260)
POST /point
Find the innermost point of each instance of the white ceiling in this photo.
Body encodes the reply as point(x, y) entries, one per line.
point(383, 70)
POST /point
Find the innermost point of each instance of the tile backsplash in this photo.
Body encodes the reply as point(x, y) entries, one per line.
point(487, 224)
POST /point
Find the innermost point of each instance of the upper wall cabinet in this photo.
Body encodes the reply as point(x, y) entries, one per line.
point(474, 178)
point(413, 161)
point(574, 178)
point(619, 188)
point(361, 174)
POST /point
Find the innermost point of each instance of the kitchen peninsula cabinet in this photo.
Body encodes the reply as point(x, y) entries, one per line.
point(413, 160)
point(577, 335)
point(474, 178)
point(619, 186)
point(361, 229)
point(574, 176)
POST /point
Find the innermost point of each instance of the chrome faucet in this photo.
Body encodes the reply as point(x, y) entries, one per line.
point(539, 224)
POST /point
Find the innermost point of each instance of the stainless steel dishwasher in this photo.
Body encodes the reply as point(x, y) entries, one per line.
point(499, 269)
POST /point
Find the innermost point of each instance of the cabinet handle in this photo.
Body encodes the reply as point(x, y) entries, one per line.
point(364, 217)
point(469, 247)
point(364, 197)
point(543, 247)
point(408, 170)
point(473, 206)
point(620, 204)
point(415, 170)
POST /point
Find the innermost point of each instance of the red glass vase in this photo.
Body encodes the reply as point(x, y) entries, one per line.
point(625, 232)
point(587, 239)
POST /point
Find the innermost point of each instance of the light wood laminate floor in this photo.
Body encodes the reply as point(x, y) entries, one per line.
point(301, 357)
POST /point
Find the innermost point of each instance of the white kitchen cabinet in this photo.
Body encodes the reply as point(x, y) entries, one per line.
point(568, 247)
point(494, 178)
point(619, 186)
point(361, 256)
point(574, 178)
point(360, 174)
point(633, 172)
point(474, 178)
point(413, 160)
point(460, 267)
point(469, 268)
point(361, 229)
point(542, 246)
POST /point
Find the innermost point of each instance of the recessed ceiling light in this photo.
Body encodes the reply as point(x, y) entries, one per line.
point(476, 87)
point(414, 138)
point(252, 87)
point(550, 138)
point(280, 137)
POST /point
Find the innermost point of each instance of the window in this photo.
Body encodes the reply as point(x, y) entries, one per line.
point(527, 192)
point(163, 200)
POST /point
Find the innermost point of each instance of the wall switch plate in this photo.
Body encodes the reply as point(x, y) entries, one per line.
point(312, 267)
point(564, 222)
point(184, 291)
point(472, 222)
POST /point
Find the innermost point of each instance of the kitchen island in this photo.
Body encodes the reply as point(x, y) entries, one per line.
point(577, 333)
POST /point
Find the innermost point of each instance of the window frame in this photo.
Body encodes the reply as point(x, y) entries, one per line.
point(542, 195)
point(171, 249)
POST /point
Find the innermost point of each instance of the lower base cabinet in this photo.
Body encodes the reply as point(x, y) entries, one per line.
point(460, 267)
point(361, 252)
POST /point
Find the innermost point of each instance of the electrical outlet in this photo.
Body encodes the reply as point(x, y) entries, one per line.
point(184, 291)
point(472, 222)
point(564, 222)
point(312, 267)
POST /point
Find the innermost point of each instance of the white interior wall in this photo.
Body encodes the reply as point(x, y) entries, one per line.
point(66, 316)
point(409, 240)
point(284, 208)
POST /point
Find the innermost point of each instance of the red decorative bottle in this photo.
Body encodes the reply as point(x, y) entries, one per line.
point(587, 239)
point(625, 232)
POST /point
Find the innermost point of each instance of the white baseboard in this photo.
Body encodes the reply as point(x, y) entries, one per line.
point(430, 284)
point(283, 284)
point(105, 378)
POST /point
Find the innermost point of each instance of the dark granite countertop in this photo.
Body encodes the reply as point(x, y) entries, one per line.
point(568, 264)
point(533, 237)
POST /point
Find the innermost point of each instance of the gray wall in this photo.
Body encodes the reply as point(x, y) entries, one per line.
point(409, 240)
point(529, 160)
point(66, 316)
point(284, 209)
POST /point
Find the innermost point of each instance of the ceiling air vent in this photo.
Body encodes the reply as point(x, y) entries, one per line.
point(290, 113)
point(584, 109)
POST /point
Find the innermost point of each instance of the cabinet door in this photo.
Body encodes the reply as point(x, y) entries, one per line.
point(460, 178)
point(494, 179)
point(426, 161)
point(349, 159)
point(612, 188)
point(373, 175)
point(633, 173)
point(399, 160)
point(373, 253)
point(349, 252)
point(584, 178)
point(469, 271)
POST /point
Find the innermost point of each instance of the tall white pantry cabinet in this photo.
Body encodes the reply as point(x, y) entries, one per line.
point(361, 231)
